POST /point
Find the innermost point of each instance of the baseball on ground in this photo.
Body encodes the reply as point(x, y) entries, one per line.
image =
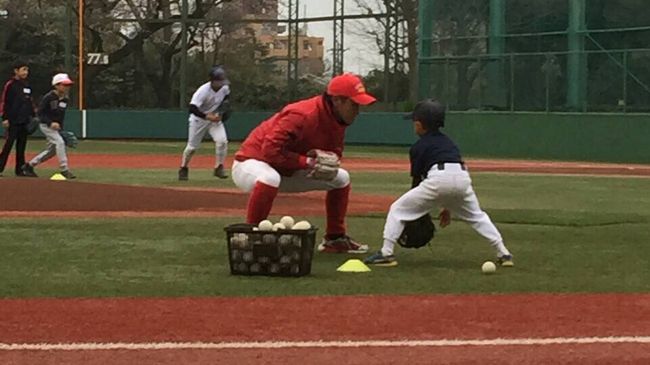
point(287, 221)
point(489, 267)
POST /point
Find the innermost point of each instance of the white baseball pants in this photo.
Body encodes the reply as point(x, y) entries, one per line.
point(196, 131)
point(55, 146)
point(450, 188)
point(246, 173)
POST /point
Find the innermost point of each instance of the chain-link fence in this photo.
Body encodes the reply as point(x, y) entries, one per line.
point(539, 82)
point(522, 55)
point(514, 55)
point(153, 54)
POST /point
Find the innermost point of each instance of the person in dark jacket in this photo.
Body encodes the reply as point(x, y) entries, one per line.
point(17, 110)
point(51, 112)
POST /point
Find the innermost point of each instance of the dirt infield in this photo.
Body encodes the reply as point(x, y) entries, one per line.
point(513, 329)
point(40, 197)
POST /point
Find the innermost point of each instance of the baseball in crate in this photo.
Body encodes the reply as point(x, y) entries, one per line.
point(282, 249)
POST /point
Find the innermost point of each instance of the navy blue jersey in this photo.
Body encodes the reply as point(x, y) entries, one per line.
point(432, 148)
point(52, 108)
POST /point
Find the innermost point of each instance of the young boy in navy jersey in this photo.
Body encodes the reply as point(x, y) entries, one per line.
point(440, 180)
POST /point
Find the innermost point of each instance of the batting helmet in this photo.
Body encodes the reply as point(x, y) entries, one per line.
point(430, 112)
point(217, 73)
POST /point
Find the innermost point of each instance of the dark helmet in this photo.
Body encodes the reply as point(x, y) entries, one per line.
point(430, 112)
point(217, 73)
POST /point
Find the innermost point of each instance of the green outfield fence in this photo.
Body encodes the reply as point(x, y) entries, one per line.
point(607, 137)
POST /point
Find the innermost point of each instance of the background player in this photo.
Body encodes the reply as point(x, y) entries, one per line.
point(16, 112)
point(440, 180)
point(51, 112)
point(278, 155)
point(208, 111)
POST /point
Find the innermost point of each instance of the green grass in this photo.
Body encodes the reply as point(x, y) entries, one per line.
point(568, 234)
point(179, 257)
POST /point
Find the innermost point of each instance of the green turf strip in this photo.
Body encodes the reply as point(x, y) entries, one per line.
point(179, 257)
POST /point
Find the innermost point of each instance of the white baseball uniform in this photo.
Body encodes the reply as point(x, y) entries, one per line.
point(440, 181)
point(450, 188)
point(207, 100)
point(246, 173)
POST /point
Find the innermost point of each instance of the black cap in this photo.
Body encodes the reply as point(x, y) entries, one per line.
point(217, 73)
point(430, 112)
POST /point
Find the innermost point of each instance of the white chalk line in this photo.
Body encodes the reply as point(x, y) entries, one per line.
point(320, 344)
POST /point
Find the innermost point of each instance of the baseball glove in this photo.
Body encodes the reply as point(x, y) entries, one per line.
point(417, 233)
point(224, 110)
point(69, 138)
point(324, 165)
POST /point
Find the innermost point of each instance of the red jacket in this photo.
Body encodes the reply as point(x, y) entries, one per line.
point(284, 139)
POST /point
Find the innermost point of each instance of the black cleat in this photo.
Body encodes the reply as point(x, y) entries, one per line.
point(68, 174)
point(28, 170)
point(220, 172)
point(183, 174)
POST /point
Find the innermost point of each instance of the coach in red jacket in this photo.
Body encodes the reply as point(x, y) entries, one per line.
point(276, 157)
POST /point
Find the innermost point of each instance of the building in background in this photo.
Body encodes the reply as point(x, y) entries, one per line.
point(274, 39)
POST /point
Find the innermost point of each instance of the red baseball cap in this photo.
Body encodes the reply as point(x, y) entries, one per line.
point(350, 85)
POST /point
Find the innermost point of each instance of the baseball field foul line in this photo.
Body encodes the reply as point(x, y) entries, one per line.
point(318, 344)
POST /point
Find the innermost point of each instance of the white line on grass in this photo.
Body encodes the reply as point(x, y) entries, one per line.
point(318, 344)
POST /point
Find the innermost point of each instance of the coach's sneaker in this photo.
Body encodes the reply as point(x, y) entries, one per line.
point(505, 261)
point(68, 174)
point(343, 244)
point(183, 174)
point(220, 172)
point(28, 170)
point(378, 259)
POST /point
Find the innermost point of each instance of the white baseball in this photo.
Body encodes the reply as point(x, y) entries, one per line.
point(287, 221)
point(285, 240)
point(278, 226)
point(302, 225)
point(489, 267)
point(268, 239)
point(265, 225)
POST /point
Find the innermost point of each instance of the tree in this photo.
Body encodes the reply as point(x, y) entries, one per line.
point(402, 48)
point(32, 32)
point(152, 42)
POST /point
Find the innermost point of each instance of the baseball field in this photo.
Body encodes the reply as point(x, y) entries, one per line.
point(127, 265)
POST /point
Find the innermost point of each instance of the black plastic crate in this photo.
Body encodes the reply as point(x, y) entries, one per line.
point(283, 252)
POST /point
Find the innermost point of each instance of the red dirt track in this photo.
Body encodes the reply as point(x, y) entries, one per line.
point(322, 318)
point(40, 197)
